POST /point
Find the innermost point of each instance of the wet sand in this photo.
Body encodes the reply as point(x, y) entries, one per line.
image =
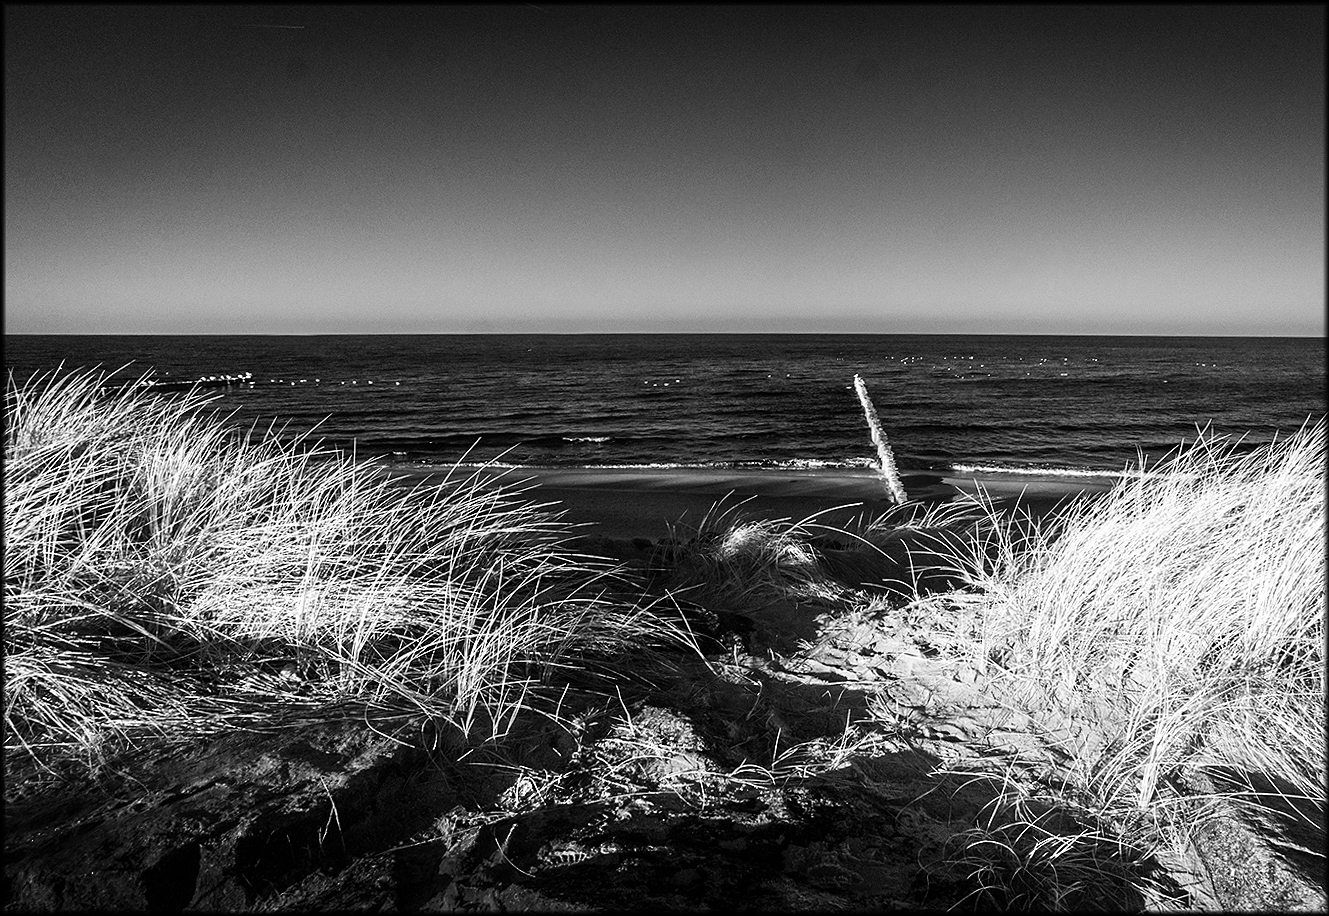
point(654, 502)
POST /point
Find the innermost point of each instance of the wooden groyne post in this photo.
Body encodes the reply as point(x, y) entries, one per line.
point(890, 474)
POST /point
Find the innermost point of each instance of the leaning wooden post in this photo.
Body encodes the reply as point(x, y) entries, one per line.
point(889, 473)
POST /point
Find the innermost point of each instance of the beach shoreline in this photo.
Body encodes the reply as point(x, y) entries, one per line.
point(654, 503)
point(520, 687)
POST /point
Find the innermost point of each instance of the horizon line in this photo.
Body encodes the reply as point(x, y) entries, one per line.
point(1310, 336)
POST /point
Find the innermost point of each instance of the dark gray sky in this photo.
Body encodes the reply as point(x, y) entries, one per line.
point(1046, 169)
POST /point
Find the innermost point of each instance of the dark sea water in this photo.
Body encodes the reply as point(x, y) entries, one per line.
point(1069, 405)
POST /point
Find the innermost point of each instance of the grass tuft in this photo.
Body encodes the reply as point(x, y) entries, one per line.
point(1035, 852)
point(744, 563)
point(1170, 631)
point(167, 575)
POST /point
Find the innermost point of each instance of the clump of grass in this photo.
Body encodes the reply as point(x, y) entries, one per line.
point(910, 550)
point(743, 562)
point(1173, 627)
point(915, 548)
point(166, 574)
point(1037, 851)
point(1192, 603)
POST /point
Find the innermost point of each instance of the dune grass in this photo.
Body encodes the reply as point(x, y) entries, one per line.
point(1168, 632)
point(745, 562)
point(1184, 613)
point(733, 561)
point(1167, 640)
point(167, 575)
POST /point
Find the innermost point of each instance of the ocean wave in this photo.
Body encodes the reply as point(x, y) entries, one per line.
point(790, 464)
point(1039, 471)
point(1125, 472)
point(808, 464)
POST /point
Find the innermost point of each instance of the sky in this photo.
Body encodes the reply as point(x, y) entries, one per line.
point(546, 168)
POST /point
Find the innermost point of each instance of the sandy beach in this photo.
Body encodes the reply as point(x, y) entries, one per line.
point(361, 697)
point(650, 502)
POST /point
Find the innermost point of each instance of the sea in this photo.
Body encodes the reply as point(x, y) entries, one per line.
point(989, 404)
